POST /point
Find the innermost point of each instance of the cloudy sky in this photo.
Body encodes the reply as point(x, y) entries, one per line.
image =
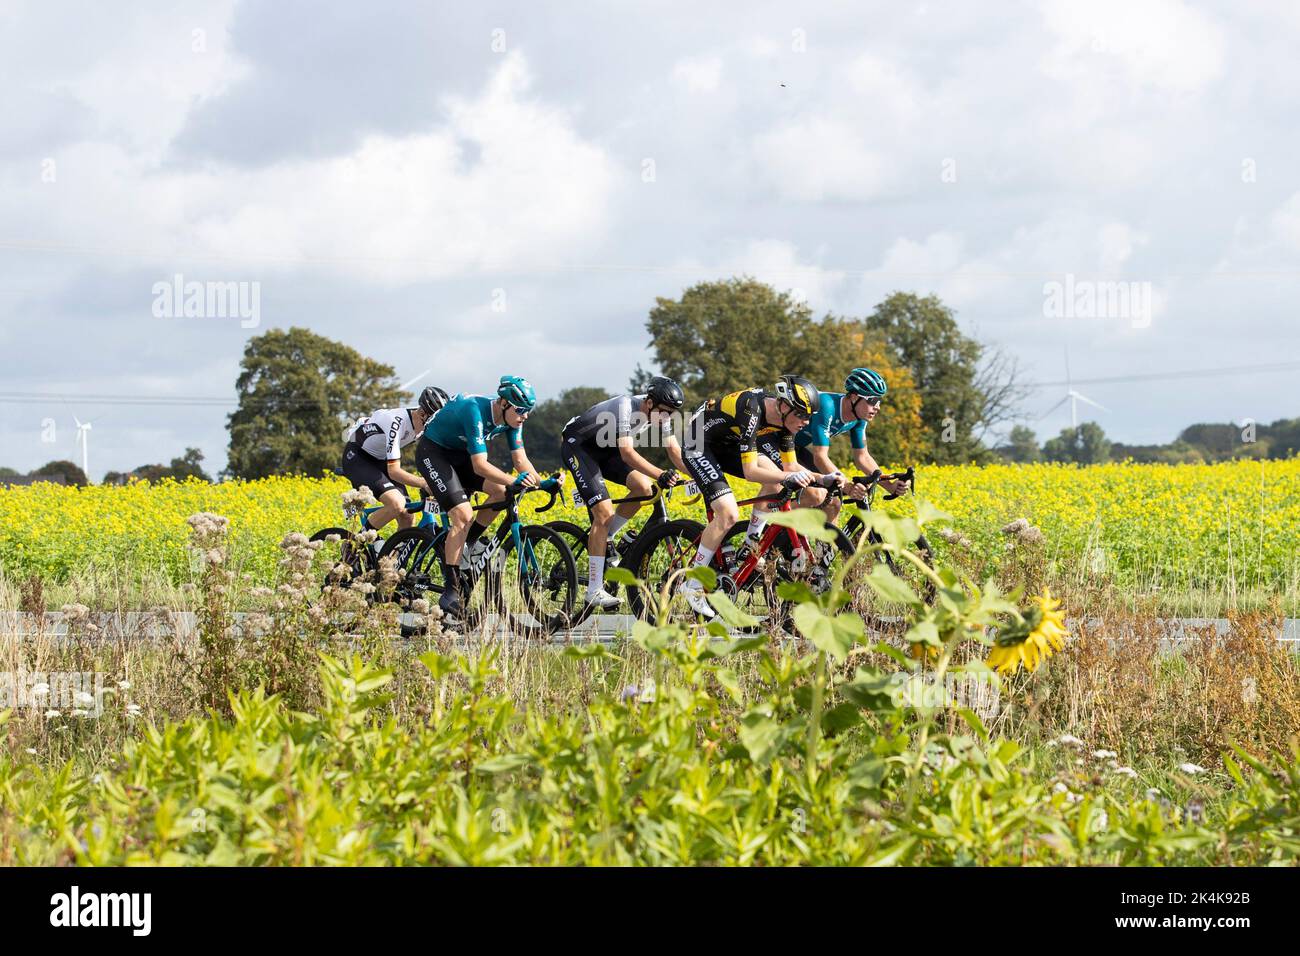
point(474, 188)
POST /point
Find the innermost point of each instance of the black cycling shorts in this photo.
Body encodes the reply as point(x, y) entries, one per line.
point(365, 470)
point(712, 463)
point(449, 472)
point(590, 465)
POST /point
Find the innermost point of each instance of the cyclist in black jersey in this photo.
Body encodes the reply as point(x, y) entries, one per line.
point(599, 445)
point(372, 457)
point(747, 434)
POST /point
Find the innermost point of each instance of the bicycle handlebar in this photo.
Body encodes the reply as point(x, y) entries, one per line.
point(877, 476)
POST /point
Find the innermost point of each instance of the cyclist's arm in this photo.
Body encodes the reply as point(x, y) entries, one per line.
point(674, 452)
point(489, 471)
point(519, 458)
point(635, 460)
point(821, 456)
point(403, 477)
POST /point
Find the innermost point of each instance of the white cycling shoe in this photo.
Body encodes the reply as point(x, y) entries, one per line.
point(697, 601)
point(602, 600)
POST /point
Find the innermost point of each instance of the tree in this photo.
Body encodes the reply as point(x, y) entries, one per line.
point(547, 421)
point(1084, 445)
point(739, 333)
point(70, 473)
point(724, 336)
point(1022, 445)
point(297, 390)
point(188, 465)
point(965, 387)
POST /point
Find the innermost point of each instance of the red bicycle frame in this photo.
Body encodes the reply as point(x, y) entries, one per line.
point(749, 567)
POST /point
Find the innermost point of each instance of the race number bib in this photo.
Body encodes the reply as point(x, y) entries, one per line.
point(431, 506)
point(577, 498)
point(690, 489)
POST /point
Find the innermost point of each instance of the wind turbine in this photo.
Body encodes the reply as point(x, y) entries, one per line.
point(1073, 397)
point(83, 437)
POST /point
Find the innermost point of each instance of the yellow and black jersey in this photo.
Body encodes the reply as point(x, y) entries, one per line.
point(738, 421)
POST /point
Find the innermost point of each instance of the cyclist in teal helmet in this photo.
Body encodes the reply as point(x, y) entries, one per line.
point(452, 458)
point(839, 412)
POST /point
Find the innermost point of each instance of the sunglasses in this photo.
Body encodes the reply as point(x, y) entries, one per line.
point(872, 400)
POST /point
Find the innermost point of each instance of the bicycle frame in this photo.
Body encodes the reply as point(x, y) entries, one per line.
point(749, 567)
point(509, 529)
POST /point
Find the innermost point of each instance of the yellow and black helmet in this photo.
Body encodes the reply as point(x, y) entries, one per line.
point(799, 393)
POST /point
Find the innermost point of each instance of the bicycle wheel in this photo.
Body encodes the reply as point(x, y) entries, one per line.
point(537, 582)
point(658, 553)
point(341, 558)
point(413, 550)
point(814, 566)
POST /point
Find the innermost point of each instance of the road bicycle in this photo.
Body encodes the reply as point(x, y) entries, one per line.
point(749, 576)
point(529, 578)
point(344, 557)
point(576, 536)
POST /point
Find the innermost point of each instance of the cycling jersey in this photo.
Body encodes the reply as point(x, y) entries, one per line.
point(826, 423)
point(465, 424)
point(606, 422)
point(738, 421)
point(384, 434)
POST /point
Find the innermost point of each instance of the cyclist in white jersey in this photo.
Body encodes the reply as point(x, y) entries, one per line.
point(373, 456)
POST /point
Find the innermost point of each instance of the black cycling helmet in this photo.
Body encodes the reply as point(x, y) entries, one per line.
point(432, 399)
point(799, 393)
point(665, 393)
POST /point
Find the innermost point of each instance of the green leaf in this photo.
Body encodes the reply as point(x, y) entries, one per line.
point(705, 575)
point(927, 513)
point(439, 665)
point(503, 764)
point(730, 683)
point(590, 650)
point(795, 592)
point(730, 614)
point(872, 690)
point(884, 525)
point(621, 576)
point(841, 717)
point(762, 737)
point(974, 723)
point(832, 634)
point(809, 522)
point(891, 856)
point(891, 588)
point(923, 632)
point(733, 645)
point(653, 638)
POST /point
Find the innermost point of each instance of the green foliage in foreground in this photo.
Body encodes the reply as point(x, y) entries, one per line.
point(828, 757)
point(668, 780)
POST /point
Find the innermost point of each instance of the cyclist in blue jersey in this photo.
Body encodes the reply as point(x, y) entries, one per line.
point(837, 413)
point(452, 458)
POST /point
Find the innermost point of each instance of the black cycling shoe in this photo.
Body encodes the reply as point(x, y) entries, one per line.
point(450, 602)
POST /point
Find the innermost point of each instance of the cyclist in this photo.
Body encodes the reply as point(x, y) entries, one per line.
point(452, 457)
point(837, 413)
point(372, 457)
point(598, 445)
point(747, 434)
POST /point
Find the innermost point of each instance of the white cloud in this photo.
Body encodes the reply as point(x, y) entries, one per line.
point(820, 159)
point(1165, 45)
point(699, 74)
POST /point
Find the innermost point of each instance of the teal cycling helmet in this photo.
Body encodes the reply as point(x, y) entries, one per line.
point(863, 381)
point(517, 392)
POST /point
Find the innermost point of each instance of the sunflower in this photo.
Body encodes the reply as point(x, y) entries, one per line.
point(1032, 640)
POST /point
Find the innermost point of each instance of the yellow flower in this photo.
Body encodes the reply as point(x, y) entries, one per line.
point(1041, 635)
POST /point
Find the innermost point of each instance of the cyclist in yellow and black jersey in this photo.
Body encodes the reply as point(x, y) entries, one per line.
point(748, 434)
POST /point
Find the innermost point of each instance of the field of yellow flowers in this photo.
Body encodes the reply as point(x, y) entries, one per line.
point(1157, 528)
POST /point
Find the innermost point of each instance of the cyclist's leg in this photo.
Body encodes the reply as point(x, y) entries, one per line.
point(364, 471)
point(759, 513)
point(705, 467)
point(589, 481)
point(438, 466)
point(616, 469)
